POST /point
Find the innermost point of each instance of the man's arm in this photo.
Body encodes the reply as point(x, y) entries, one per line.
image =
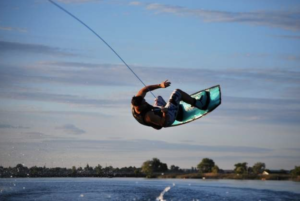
point(148, 88)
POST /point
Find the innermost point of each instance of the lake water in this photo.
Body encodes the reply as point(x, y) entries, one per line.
point(118, 189)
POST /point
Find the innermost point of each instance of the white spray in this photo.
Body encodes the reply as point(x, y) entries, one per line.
point(161, 196)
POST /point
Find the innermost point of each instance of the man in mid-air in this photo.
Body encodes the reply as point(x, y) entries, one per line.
point(162, 114)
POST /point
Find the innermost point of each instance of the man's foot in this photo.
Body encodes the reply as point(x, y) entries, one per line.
point(203, 102)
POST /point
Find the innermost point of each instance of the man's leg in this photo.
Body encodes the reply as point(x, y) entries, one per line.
point(200, 104)
point(186, 97)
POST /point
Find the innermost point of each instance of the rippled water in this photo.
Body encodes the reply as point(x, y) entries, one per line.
point(147, 189)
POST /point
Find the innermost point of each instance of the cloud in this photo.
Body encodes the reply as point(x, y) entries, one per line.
point(161, 145)
point(260, 110)
point(35, 135)
point(292, 58)
point(111, 74)
point(286, 57)
point(131, 146)
point(233, 108)
point(77, 1)
point(134, 152)
point(292, 37)
point(7, 47)
point(289, 20)
point(77, 73)
point(272, 96)
point(8, 126)
point(22, 30)
point(135, 3)
point(165, 8)
point(72, 73)
point(71, 113)
point(268, 102)
point(293, 149)
point(254, 158)
point(71, 129)
point(60, 98)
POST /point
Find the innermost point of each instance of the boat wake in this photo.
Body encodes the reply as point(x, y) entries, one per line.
point(161, 196)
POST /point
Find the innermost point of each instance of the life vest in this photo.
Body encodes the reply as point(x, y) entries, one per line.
point(141, 117)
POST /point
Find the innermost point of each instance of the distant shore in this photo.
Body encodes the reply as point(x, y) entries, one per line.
point(150, 169)
point(232, 176)
point(206, 176)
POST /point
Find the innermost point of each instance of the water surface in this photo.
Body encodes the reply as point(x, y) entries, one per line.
point(119, 189)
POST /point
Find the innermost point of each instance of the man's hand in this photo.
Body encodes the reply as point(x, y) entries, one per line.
point(165, 84)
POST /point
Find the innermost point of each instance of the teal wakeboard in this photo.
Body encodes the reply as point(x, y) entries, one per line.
point(187, 113)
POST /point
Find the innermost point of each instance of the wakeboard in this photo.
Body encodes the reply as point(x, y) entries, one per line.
point(188, 113)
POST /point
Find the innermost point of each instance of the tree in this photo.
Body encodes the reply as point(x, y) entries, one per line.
point(19, 166)
point(108, 170)
point(88, 168)
point(258, 167)
point(215, 169)
point(250, 170)
point(136, 171)
point(158, 166)
point(98, 170)
point(296, 171)
point(240, 168)
point(206, 165)
point(74, 171)
point(151, 166)
point(34, 171)
point(147, 168)
point(174, 168)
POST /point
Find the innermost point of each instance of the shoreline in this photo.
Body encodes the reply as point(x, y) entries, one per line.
point(192, 176)
point(231, 176)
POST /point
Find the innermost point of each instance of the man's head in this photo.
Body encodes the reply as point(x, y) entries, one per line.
point(137, 101)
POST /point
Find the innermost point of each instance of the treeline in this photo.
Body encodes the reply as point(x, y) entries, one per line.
point(155, 168)
point(207, 169)
point(87, 171)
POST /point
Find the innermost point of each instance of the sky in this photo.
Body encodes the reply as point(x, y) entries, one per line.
point(65, 96)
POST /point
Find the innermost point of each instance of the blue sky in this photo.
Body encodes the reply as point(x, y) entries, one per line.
point(65, 96)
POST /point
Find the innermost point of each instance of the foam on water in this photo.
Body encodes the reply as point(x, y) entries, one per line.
point(161, 196)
